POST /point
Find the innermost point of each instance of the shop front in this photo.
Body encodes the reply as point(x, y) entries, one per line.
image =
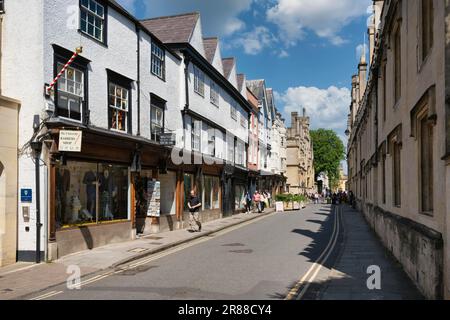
point(240, 188)
point(205, 181)
point(93, 193)
point(155, 201)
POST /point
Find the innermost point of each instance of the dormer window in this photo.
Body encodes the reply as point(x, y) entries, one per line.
point(93, 19)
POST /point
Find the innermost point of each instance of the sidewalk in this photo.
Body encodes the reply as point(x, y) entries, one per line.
point(25, 278)
point(347, 279)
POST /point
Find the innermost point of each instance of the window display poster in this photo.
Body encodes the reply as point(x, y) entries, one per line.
point(154, 198)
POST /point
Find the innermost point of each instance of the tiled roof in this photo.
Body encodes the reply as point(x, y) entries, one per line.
point(228, 64)
point(257, 87)
point(210, 45)
point(173, 29)
point(240, 81)
point(269, 93)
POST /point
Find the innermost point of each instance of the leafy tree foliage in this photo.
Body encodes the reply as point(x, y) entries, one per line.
point(329, 151)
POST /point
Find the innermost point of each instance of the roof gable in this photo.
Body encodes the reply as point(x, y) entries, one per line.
point(210, 45)
point(173, 29)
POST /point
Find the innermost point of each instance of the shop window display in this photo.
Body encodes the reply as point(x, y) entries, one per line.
point(90, 193)
point(239, 196)
point(211, 193)
point(141, 185)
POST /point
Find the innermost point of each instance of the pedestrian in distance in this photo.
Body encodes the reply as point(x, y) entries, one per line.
point(257, 200)
point(248, 202)
point(263, 201)
point(194, 205)
point(268, 198)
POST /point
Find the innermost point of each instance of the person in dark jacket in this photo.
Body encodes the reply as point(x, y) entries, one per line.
point(194, 205)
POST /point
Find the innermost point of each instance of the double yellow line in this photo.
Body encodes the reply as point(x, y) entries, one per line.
point(301, 287)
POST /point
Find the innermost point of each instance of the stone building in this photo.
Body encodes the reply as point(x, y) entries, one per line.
point(399, 137)
point(300, 156)
point(9, 109)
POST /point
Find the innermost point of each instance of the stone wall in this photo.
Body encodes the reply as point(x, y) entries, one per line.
point(418, 248)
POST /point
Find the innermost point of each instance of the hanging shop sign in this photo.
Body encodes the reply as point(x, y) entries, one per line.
point(70, 140)
point(154, 198)
point(167, 139)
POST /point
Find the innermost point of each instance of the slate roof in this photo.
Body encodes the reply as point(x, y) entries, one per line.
point(210, 45)
point(173, 29)
point(228, 64)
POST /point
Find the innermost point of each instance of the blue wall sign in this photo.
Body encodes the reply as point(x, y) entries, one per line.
point(26, 195)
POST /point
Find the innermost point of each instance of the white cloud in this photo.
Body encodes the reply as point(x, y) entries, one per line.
point(219, 18)
point(327, 108)
point(255, 41)
point(325, 18)
point(283, 54)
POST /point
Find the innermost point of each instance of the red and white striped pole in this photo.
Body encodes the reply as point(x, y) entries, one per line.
point(74, 56)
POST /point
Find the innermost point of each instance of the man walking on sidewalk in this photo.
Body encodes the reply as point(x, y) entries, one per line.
point(194, 205)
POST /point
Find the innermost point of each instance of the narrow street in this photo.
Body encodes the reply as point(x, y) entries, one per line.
point(277, 257)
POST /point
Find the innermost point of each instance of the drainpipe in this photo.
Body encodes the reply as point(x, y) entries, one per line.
point(138, 30)
point(37, 148)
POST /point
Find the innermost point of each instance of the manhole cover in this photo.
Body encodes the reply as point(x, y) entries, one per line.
point(137, 250)
point(233, 245)
point(242, 251)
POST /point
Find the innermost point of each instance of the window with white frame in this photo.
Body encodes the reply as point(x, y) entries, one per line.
point(243, 121)
point(118, 107)
point(230, 147)
point(199, 81)
point(240, 153)
point(214, 94)
point(70, 93)
point(233, 111)
point(156, 119)
point(92, 19)
point(211, 141)
point(196, 131)
point(158, 61)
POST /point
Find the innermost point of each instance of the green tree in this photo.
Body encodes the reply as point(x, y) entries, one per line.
point(329, 151)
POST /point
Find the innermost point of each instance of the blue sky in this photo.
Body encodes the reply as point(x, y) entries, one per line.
point(307, 50)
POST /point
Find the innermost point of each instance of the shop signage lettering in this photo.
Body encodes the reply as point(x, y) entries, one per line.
point(167, 139)
point(154, 198)
point(70, 140)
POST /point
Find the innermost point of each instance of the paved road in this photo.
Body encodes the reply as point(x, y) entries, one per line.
point(261, 260)
point(316, 253)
